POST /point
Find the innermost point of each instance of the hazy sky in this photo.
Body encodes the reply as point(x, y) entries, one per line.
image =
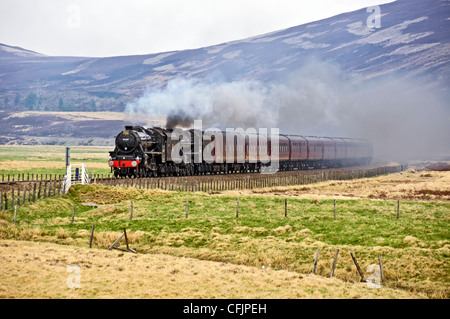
point(126, 27)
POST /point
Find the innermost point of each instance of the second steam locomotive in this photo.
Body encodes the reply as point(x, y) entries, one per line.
point(152, 152)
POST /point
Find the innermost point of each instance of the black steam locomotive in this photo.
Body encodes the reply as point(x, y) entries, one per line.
point(151, 152)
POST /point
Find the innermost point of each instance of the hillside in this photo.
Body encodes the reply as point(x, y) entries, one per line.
point(413, 41)
point(64, 128)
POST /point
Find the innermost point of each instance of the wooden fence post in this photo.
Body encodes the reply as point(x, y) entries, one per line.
point(381, 267)
point(92, 235)
point(39, 191)
point(73, 215)
point(24, 194)
point(15, 214)
point(334, 209)
point(357, 266)
point(334, 263)
point(398, 209)
point(237, 208)
point(126, 238)
point(117, 240)
point(315, 262)
point(285, 207)
point(131, 210)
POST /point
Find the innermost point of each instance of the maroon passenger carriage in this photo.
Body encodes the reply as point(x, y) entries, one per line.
point(144, 152)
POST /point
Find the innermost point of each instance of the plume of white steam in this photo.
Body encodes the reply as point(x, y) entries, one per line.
point(402, 118)
point(240, 103)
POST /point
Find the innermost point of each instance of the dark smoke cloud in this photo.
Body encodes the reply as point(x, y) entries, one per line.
point(403, 118)
point(179, 119)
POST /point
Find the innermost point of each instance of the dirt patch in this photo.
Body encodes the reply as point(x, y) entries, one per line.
point(433, 192)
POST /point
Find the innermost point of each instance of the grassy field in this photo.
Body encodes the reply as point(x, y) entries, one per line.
point(40, 270)
point(414, 248)
point(48, 159)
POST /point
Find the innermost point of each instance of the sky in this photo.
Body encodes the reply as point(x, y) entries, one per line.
point(103, 28)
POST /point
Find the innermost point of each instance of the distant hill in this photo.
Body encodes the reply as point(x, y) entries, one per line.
point(64, 128)
point(413, 41)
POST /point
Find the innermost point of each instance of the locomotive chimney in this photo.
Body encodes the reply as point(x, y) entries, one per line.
point(128, 127)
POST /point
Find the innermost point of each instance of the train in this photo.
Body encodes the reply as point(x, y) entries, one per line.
point(154, 151)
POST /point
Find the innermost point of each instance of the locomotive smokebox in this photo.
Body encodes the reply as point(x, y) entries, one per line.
point(127, 141)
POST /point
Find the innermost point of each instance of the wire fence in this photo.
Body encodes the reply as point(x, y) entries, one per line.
point(30, 190)
point(225, 182)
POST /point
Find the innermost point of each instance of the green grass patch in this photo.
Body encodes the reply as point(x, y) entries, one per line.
point(415, 248)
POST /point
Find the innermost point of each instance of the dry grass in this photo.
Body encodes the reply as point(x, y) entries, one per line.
point(39, 270)
point(409, 185)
